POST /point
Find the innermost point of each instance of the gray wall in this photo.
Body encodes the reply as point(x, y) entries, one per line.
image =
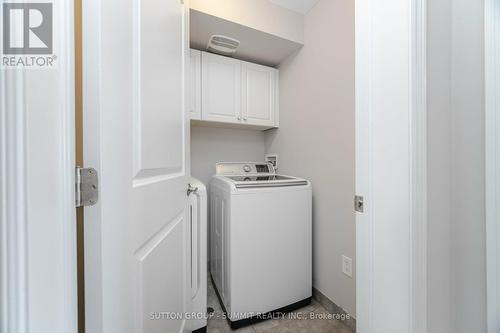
point(468, 175)
point(316, 138)
point(456, 249)
point(439, 166)
point(210, 145)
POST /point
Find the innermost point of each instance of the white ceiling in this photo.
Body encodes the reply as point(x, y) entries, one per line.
point(300, 6)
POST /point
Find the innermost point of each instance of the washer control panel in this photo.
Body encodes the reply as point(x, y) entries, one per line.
point(242, 168)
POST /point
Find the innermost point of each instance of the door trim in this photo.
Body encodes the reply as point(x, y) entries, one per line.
point(16, 291)
point(13, 207)
point(417, 157)
point(91, 117)
point(418, 150)
point(492, 163)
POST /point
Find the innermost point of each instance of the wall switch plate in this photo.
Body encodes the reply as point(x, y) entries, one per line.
point(347, 266)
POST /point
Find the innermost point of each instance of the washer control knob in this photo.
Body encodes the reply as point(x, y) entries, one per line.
point(247, 168)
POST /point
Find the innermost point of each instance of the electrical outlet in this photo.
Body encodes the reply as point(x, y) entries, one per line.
point(273, 159)
point(347, 266)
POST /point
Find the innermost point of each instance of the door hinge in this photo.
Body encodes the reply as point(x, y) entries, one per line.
point(86, 187)
point(359, 204)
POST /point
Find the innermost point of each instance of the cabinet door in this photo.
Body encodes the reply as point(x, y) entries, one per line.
point(259, 94)
point(221, 88)
point(195, 85)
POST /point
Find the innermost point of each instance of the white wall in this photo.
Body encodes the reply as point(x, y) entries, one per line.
point(468, 168)
point(210, 145)
point(316, 138)
point(457, 263)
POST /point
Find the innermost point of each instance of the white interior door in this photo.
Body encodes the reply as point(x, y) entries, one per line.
point(390, 166)
point(136, 136)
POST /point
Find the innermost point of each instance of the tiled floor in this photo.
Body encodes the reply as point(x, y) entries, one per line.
point(216, 324)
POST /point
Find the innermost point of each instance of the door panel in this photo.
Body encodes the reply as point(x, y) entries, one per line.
point(258, 92)
point(221, 88)
point(154, 293)
point(136, 135)
point(158, 111)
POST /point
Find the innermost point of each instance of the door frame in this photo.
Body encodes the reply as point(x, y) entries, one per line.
point(417, 159)
point(14, 203)
point(18, 294)
point(91, 122)
point(492, 163)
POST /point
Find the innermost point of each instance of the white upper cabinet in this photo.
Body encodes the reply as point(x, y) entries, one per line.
point(220, 88)
point(258, 94)
point(194, 104)
point(229, 91)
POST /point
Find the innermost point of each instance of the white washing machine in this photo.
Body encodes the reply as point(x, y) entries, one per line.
point(260, 241)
